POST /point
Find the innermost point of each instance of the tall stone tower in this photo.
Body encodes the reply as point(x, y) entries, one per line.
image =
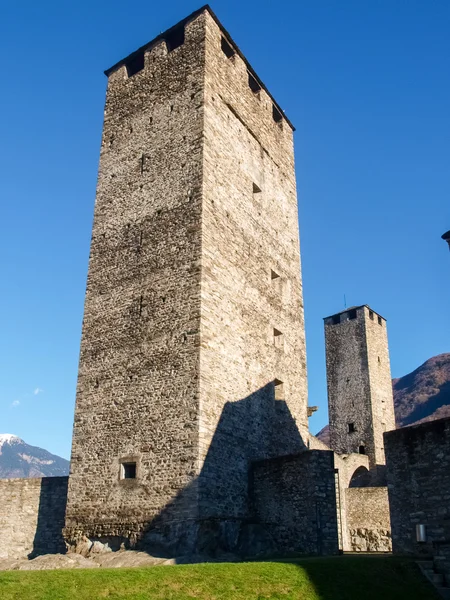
point(192, 356)
point(360, 401)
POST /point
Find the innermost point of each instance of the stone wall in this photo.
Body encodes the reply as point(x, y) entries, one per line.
point(368, 522)
point(252, 327)
point(418, 474)
point(32, 516)
point(138, 382)
point(295, 501)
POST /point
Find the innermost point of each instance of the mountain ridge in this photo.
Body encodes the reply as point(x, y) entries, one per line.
point(420, 396)
point(21, 460)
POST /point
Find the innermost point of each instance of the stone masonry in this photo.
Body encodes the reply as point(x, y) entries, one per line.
point(418, 473)
point(368, 520)
point(360, 401)
point(32, 516)
point(295, 499)
point(192, 359)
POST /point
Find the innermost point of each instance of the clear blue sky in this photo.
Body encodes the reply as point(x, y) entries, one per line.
point(365, 82)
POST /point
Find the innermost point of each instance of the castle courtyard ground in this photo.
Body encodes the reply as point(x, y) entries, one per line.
point(336, 578)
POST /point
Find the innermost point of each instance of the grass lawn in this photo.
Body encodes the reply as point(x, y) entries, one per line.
point(337, 578)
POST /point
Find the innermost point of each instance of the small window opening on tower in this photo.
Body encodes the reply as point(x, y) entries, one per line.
point(336, 319)
point(256, 189)
point(362, 449)
point(380, 321)
point(279, 389)
point(371, 314)
point(135, 63)
point(253, 83)
point(175, 38)
point(227, 48)
point(379, 359)
point(128, 470)
point(277, 116)
point(273, 275)
point(352, 314)
point(278, 338)
point(351, 427)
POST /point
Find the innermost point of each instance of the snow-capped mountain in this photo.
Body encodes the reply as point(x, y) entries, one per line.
point(18, 459)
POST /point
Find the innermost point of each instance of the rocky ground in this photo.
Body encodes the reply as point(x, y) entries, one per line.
point(94, 555)
point(123, 558)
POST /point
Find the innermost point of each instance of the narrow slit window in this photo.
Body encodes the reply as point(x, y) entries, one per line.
point(278, 389)
point(277, 116)
point(371, 314)
point(135, 64)
point(380, 321)
point(128, 470)
point(351, 427)
point(227, 48)
point(175, 39)
point(253, 83)
point(278, 338)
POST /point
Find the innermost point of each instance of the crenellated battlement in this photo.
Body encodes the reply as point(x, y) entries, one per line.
point(185, 33)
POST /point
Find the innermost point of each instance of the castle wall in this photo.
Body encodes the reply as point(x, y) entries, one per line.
point(32, 516)
point(418, 474)
point(138, 383)
point(251, 286)
point(368, 522)
point(295, 501)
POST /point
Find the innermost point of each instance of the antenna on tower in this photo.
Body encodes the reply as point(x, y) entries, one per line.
point(345, 302)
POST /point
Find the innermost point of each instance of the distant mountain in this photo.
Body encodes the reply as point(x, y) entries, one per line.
point(18, 459)
point(423, 395)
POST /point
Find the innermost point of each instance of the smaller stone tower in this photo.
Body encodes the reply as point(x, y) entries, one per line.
point(360, 401)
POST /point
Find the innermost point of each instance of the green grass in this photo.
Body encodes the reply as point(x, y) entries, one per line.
point(338, 578)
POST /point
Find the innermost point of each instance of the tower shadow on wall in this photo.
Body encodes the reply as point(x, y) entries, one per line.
point(48, 538)
point(254, 428)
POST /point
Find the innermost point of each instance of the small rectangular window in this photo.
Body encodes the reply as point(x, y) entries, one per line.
point(128, 470)
point(135, 63)
point(351, 427)
point(278, 338)
point(371, 314)
point(336, 319)
point(175, 38)
point(277, 116)
point(253, 83)
point(279, 389)
point(380, 321)
point(352, 314)
point(362, 450)
point(227, 48)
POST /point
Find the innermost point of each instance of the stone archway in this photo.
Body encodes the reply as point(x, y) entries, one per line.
point(360, 478)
